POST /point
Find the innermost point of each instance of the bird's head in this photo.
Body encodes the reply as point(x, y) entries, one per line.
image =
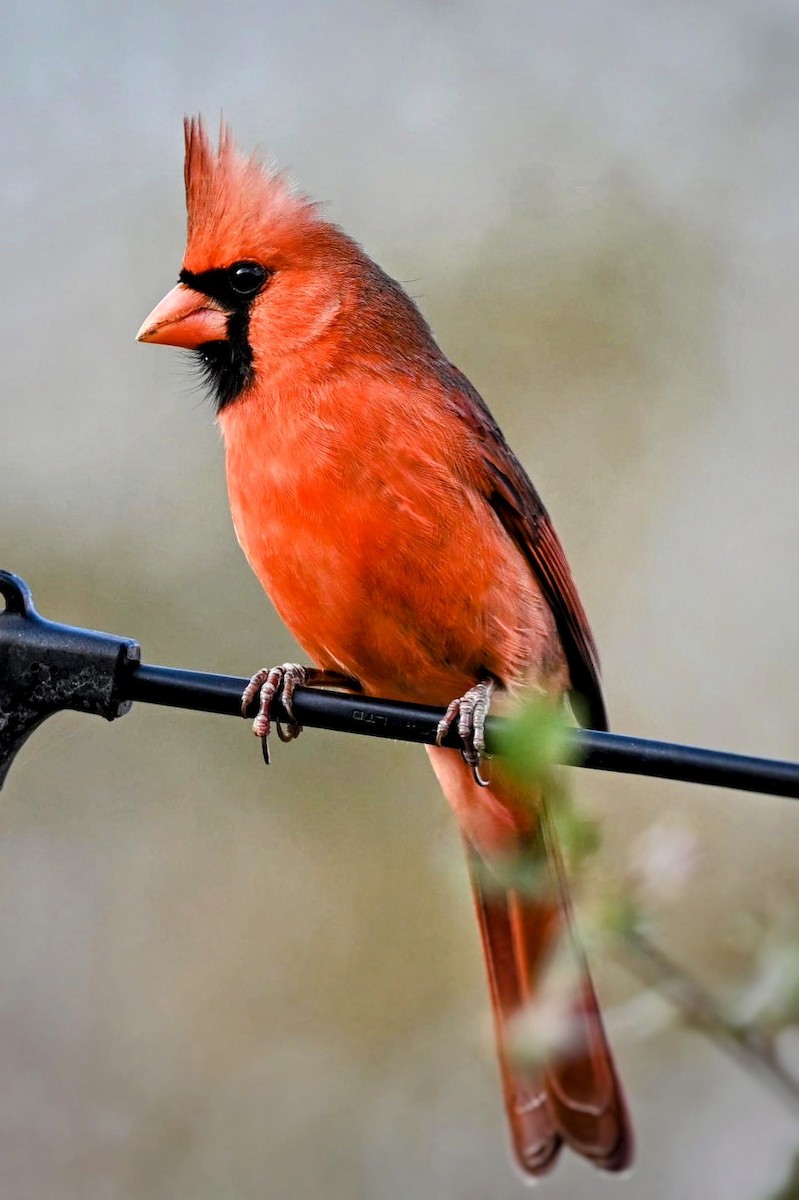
point(263, 276)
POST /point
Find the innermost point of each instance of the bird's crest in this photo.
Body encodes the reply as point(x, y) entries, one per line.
point(235, 203)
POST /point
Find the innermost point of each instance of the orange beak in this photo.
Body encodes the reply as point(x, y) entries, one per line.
point(184, 318)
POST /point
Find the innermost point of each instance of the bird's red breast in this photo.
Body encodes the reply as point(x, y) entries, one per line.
point(383, 561)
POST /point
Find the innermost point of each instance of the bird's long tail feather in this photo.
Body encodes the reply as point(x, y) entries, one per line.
point(570, 1093)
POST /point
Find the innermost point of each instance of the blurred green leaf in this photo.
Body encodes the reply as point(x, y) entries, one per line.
point(620, 915)
point(790, 1189)
point(772, 999)
point(526, 873)
point(533, 740)
point(578, 834)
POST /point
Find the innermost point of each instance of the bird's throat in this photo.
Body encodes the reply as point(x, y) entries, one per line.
point(226, 366)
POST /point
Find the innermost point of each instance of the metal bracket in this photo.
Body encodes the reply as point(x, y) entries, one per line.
point(46, 667)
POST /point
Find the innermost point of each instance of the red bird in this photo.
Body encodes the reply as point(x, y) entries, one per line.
point(406, 549)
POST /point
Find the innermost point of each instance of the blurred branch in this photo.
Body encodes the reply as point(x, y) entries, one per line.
point(533, 740)
point(749, 1045)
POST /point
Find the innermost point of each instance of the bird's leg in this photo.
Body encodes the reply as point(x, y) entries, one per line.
point(471, 709)
point(269, 681)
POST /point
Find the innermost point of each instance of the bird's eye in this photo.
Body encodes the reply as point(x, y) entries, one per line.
point(246, 278)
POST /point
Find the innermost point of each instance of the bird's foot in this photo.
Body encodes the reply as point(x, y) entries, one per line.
point(471, 709)
point(266, 684)
point(271, 681)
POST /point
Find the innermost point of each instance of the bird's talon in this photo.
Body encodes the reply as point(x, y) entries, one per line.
point(445, 724)
point(471, 709)
point(287, 733)
point(294, 676)
point(266, 684)
point(478, 778)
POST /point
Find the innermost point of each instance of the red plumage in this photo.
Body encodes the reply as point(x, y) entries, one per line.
point(403, 544)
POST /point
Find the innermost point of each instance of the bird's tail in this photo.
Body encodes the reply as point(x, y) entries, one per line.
point(570, 1093)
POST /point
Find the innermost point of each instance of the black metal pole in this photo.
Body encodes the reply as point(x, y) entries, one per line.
point(46, 667)
point(417, 723)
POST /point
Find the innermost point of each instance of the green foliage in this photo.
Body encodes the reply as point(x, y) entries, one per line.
point(577, 833)
point(534, 740)
point(790, 1189)
point(771, 1000)
point(616, 918)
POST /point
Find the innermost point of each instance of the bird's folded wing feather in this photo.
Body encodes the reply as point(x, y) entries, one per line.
point(496, 472)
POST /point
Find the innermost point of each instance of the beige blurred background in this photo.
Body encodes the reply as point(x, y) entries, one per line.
point(217, 981)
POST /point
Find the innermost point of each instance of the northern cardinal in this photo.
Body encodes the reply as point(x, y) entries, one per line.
point(406, 549)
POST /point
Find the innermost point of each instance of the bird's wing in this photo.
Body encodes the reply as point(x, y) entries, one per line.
point(501, 478)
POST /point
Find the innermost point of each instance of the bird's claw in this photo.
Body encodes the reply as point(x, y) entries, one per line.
point(266, 684)
point(471, 710)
